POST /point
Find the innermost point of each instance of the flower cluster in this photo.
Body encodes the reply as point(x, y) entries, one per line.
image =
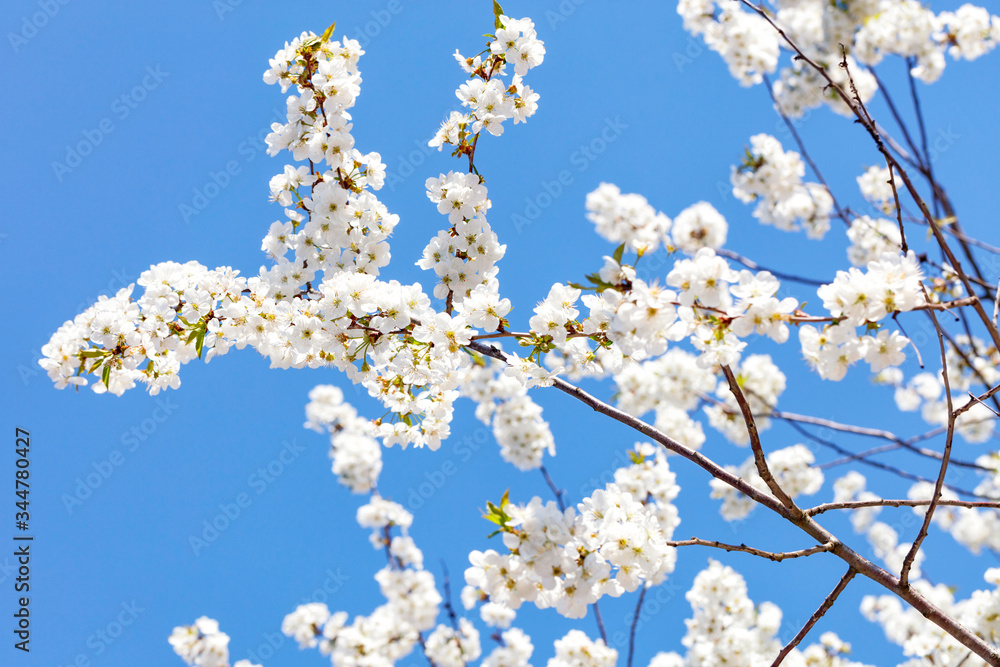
point(578, 650)
point(627, 218)
point(872, 238)
point(670, 385)
point(746, 42)
point(490, 101)
point(204, 645)
point(568, 559)
point(892, 283)
point(451, 647)
point(876, 188)
point(464, 256)
point(825, 32)
point(699, 226)
point(392, 630)
point(971, 362)
point(975, 529)
point(773, 178)
point(925, 642)
point(357, 456)
point(524, 437)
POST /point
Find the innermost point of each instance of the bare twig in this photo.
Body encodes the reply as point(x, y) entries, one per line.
point(876, 433)
point(910, 64)
point(635, 623)
point(555, 490)
point(754, 266)
point(856, 504)
point(818, 614)
point(769, 555)
point(600, 622)
point(917, 160)
point(915, 547)
point(758, 452)
point(447, 598)
point(977, 399)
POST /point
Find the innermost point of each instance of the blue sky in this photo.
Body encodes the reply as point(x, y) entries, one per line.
point(169, 99)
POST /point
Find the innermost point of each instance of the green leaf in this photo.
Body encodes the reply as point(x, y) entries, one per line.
point(505, 500)
point(106, 377)
point(200, 343)
point(619, 251)
point(329, 31)
point(92, 353)
point(497, 11)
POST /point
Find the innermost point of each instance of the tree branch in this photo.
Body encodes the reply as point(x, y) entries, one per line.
point(856, 504)
point(635, 623)
point(806, 523)
point(946, 455)
point(769, 555)
point(760, 461)
point(818, 614)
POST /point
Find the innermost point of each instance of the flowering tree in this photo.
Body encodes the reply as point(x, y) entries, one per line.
point(674, 346)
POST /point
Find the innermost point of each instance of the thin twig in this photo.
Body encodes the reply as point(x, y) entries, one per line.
point(600, 622)
point(635, 623)
point(911, 555)
point(802, 148)
point(555, 490)
point(899, 120)
point(977, 399)
point(968, 361)
point(754, 266)
point(856, 504)
point(877, 433)
point(447, 597)
point(758, 452)
point(818, 614)
point(910, 63)
point(769, 555)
